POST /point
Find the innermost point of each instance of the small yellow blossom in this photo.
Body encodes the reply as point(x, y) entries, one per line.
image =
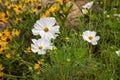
point(4, 17)
point(1, 67)
point(18, 20)
point(30, 1)
point(6, 36)
point(3, 46)
point(27, 1)
point(18, 9)
point(1, 75)
point(39, 6)
point(65, 10)
point(38, 65)
point(15, 32)
point(0, 1)
point(28, 50)
point(34, 11)
point(62, 1)
point(53, 9)
point(6, 3)
point(8, 55)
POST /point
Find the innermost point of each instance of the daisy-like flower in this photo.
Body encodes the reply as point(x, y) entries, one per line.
point(91, 37)
point(46, 28)
point(118, 52)
point(18, 9)
point(41, 45)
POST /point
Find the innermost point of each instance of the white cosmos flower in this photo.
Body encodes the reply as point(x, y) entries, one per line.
point(91, 37)
point(118, 52)
point(88, 5)
point(45, 27)
point(41, 45)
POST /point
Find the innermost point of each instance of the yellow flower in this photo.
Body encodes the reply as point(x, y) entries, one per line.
point(8, 55)
point(34, 11)
point(3, 46)
point(18, 9)
point(6, 3)
point(28, 50)
point(27, 1)
point(1, 67)
point(30, 1)
point(0, 1)
point(7, 37)
point(39, 6)
point(4, 17)
point(1, 75)
point(18, 20)
point(5, 33)
point(65, 9)
point(53, 9)
point(15, 32)
point(38, 65)
point(62, 1)
point(47, 14)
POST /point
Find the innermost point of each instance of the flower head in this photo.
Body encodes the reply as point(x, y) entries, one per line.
point(18, 9)
point(91, 37)
point(40, 45)
point(62, 1)
point(45, 28)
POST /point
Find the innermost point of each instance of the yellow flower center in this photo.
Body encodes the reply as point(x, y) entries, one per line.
point(90, 37)
point(40, 47)
point(46, 29)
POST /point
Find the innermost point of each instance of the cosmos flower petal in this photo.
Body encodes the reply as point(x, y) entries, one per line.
point(93, 33)
point(55, 29)
point(41, 52)
point(49, 36)
point(38, 25)
point(34, 41)
point(94, 42)
point(97, 38)
point(50, 21)
point(34, 48)
point(35, 31)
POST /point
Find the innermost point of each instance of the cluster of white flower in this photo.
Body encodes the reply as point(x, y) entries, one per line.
point(46, 28)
